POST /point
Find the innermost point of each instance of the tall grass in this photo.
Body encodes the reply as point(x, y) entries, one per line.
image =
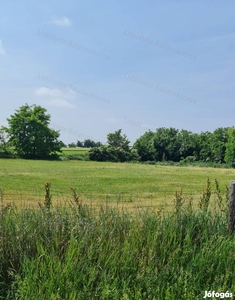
point(78, 253)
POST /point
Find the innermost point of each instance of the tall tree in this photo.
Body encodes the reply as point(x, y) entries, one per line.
point(30, 134)
point(116, 140)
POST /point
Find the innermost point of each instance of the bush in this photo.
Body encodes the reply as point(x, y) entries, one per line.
point(188, 159)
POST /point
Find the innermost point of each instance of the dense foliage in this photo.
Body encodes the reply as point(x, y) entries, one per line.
point(117, 150)
point(29, 133)
point(170, 144)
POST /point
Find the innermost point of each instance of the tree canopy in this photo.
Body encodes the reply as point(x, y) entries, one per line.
point(29, 132)
point(174, 145)
point(116, 140)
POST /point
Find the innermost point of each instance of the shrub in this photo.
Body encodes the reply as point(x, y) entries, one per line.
point(112, 154)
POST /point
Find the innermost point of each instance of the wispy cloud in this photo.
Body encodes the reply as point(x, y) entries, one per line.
point(72, 89)
point(55, 97)
point(64, 21)
point(2, 50)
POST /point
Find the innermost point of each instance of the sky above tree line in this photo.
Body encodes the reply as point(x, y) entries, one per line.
point(98, 66)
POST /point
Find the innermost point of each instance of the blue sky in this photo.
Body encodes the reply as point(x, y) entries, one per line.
point(101, 65)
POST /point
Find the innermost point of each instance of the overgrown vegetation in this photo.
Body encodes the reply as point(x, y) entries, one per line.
point(79, 253)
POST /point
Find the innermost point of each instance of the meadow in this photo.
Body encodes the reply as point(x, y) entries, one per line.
point(161, 245)
point(124, 184)
point(74, 151)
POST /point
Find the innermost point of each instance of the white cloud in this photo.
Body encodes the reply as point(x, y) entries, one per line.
point(64, 21)
point(55, 97)
point(2, 50)
point(43, 91)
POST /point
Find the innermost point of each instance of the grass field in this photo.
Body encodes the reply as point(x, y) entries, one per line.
point(73, 151)
point(97, 183)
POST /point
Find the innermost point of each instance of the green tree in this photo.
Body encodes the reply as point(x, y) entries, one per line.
point(230, 147)
point(89, 143)
point(205, 145)
point(118, 149)
point(72, 145)
point(188, 143)
point(144, 146)
point(166, 144)
point(30, 134)
point(116, 140)
point(218, 144)
point(79, 144)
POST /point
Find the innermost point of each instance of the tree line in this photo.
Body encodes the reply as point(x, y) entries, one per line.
point(28, 134)
point(171, 144)
point(88, 143)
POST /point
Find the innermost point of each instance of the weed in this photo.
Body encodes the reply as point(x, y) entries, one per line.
point(48, 196)
point(205, 198)
point(179, 201)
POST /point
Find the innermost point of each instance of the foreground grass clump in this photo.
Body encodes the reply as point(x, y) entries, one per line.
point(77, 253)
